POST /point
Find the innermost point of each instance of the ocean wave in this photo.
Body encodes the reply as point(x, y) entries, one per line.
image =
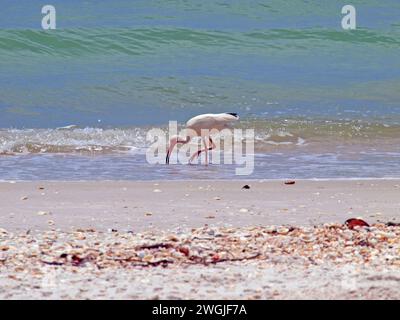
point(70, 140)
point(139, 41)
point(323, 36)
point(270, 135)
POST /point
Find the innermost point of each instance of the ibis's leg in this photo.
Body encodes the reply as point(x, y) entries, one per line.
point(196, 154)
point(209, 148)
point(206, 149)
point(213, 146)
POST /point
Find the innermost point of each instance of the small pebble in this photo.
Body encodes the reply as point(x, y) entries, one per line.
point(43, 213)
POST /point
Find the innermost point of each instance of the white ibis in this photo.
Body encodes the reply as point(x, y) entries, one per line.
point(208, 121)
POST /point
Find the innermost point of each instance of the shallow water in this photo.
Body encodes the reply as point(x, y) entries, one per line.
point(289, 165)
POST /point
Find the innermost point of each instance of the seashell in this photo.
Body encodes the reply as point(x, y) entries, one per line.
point(354, 222)
point(43, 213)
point(215, 258)
point(184, 250)
point(307, 239)
point(388, 235)
point(283, 230)
point(80, 237)
point(3, 256)
point(148, 258)
point(396, 262)
point(270, 229)
point(173, 237)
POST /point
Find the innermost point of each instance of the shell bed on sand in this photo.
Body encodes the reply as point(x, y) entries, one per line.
point(327, 261)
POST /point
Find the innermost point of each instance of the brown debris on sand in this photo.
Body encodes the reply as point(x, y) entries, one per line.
point(290, 182)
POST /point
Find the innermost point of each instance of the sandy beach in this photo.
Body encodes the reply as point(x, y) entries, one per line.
point(53, 236)
point(138, 206)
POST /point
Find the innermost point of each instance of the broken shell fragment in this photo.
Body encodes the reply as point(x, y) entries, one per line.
point(184, 250)
point(290, 182)
point(354, 222)
point(43, 213)
point(283, 230)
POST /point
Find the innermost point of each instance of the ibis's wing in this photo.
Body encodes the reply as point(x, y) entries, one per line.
point(210, 120)
point(201, 121)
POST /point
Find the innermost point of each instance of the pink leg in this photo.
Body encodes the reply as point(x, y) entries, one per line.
point(206, 149)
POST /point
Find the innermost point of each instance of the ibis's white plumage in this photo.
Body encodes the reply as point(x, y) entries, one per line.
point(211, 121)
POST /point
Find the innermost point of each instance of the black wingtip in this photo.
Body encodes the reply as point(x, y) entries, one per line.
point(232, 114)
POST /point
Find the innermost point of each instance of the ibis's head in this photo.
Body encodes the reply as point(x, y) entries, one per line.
point(234, 115)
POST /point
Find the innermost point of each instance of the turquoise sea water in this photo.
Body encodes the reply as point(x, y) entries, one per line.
point(118, 68)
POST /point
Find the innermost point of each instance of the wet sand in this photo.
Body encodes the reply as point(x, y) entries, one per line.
point(38, 219)
point(137, 206)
